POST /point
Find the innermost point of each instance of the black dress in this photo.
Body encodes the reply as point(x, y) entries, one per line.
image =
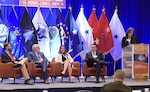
point(125, 42)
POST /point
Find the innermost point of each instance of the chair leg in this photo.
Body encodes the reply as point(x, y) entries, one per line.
point(55, 78)
point(2, 80)
point(62, 79)
point(103, 78)
point(52, 79)
point(14, 80)
point(85, 78)
point(34, 79)
point(78, 78)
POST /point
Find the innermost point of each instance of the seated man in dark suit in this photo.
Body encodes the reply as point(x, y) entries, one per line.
point(7, 56)
point(40, 61)
point(117, 85)
point(95, 57)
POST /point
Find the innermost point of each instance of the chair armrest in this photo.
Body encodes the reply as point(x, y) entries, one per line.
point(77, 65)
point(31, 68)
point(57, 68)
point(6, 70)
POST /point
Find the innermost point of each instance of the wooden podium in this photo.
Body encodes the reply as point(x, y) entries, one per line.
point(135, 63)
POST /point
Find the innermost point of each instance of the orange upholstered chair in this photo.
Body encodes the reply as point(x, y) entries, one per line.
point(76, 70)
point(8, 71)
point(90, 71)
point(37, 72)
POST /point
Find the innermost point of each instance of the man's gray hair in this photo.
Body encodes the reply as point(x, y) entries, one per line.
point(34, 46)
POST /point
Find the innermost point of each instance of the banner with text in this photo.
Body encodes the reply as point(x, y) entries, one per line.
point(36, 3)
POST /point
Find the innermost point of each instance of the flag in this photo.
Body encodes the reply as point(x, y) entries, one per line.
point(97, 33)
point(42, 32)
point(29, 32)
point(15, 35)
point(53, 34)
point(63, 31)
point(85, 31)
point(118, 33)
point(106, 33)
point(75, 42)
point(3, 31)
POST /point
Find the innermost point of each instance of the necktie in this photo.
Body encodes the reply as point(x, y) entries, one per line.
point(11, 56)
point(39, 57)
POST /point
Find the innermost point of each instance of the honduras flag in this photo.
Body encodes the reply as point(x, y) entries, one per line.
point(63, 31)
point(3, 31)
point(29, 32)
point(53, 33)
point(42, 32)
point(75, 43)
point(15, 35)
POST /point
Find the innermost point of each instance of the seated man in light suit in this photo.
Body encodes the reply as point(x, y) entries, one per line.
point(96, 57)
point(40, 61)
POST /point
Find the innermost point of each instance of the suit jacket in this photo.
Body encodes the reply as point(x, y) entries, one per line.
point(5, 58)
point(116, 86)
point(125, 42)
point(90, 56)
point(32, 57)
point(58, 58)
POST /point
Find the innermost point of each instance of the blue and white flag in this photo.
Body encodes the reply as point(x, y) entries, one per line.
point(63, 31)
point(53, 34)
point(85, 31)
point(42, 32)
point(15, 35)
point(118, 33)
point(3, 32)
point(29, 32)
point(75, 44)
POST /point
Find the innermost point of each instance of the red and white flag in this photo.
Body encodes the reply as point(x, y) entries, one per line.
point(97, 34)
point(106, 32)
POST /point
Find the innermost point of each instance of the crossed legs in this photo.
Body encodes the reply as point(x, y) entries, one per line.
point(68, 68)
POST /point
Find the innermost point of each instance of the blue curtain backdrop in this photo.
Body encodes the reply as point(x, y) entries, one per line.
point(135, 13)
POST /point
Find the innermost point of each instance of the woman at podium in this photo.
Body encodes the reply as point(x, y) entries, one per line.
point(129, 38)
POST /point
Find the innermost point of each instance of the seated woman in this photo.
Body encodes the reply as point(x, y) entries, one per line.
point(66, 60)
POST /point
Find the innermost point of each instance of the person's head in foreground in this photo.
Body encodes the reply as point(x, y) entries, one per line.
point(62, 50)
point(36, 48)
point(119, 75)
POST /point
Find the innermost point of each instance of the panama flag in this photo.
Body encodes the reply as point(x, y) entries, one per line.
point(85, 31)
point(118, 33)
point(42, 32)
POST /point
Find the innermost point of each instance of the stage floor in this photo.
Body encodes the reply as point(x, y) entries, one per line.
point(8, 84)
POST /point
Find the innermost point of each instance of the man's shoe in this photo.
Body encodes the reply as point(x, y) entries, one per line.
point(17, 65)
point(97, 81)
point(46, 82)
point(27, 82)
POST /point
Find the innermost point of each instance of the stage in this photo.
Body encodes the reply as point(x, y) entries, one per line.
point(57, 86)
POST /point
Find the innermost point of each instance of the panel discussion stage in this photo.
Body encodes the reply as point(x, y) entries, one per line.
point(65, 86)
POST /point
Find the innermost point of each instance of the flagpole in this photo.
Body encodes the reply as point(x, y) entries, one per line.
point(50, 7)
